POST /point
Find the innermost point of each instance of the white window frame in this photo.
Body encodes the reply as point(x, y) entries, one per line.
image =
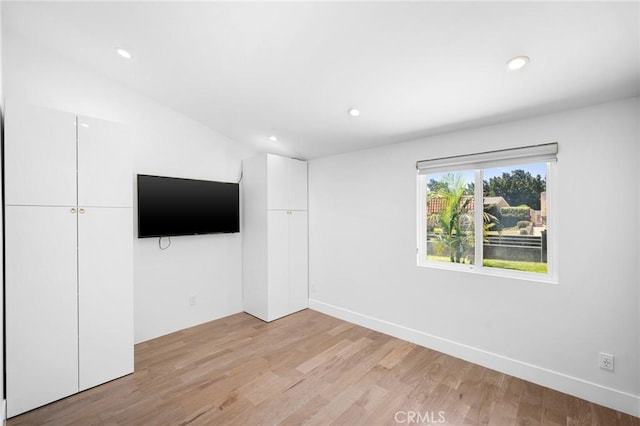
point(546, 153)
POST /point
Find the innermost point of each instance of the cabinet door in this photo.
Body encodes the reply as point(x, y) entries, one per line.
point(41, 309)
point(277, 182)
point(277, 264)
point(104, 164)
point(298, 261)
point(105, 277)
point(40, 156)
point(297, 185)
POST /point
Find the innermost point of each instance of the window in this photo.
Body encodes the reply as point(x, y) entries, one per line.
point(488, 212)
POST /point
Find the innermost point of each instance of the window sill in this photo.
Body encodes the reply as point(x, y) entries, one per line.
point(494, 272)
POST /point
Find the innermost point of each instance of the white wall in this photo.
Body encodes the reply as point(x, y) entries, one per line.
point(362, 212)
point(166, 143)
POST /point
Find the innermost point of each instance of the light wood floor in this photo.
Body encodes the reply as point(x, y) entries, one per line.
point(309, 368)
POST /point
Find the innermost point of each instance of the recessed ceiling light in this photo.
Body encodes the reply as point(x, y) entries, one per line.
point(517, 62)
point(273, 139)
point(354, 112)
point(125, 54)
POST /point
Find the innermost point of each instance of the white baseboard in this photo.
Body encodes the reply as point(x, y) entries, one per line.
point(3, 412)
point(612, 398)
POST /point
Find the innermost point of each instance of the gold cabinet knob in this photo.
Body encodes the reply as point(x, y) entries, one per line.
point(81, 210)
point(73, 210)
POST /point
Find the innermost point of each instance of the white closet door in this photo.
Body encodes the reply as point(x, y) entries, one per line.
point(297, 185)
point(40, 153)
point(41, 312)
point(298, 261)
point(277, 182)
point(105, 272)
point(104, 164)
point(278, 264)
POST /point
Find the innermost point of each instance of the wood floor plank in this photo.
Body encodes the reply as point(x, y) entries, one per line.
point(505, 408)
point(555, 408)
point(306, 412)
point(309, 368)
point(398, 353)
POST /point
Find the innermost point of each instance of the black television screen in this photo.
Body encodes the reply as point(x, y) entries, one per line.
point(173, 206)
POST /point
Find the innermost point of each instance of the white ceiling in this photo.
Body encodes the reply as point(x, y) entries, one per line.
point(292, 69)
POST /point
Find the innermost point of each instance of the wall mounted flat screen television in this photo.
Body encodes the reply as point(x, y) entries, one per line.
point(170, 206)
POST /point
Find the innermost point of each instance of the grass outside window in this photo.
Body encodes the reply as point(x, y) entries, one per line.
point(537, 267)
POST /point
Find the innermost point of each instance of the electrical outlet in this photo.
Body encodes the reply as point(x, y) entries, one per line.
point(193, 300)
point(606, 361)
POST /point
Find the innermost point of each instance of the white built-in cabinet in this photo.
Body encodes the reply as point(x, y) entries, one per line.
point(68, 252)
point(275, 236)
